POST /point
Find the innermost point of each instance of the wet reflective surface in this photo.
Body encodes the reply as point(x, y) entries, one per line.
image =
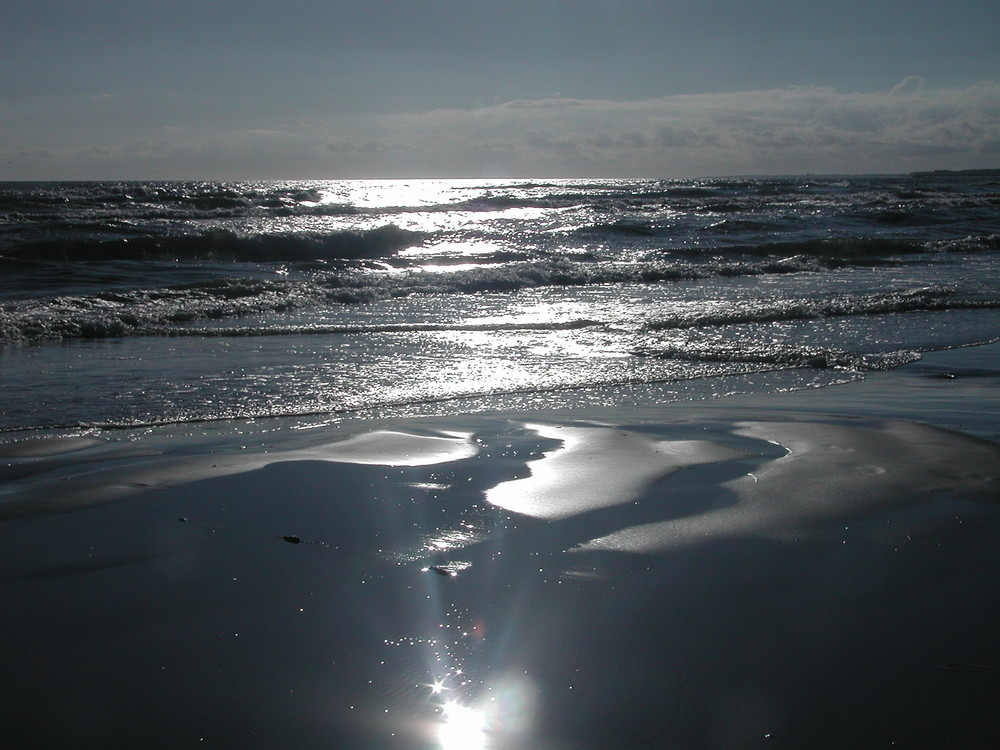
point(345, 602)
point(186, 302)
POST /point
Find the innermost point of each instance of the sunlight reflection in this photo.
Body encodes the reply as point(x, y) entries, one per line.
point(503, 714)
point(464, 249)
point(463, 728)
point(387, 193)
point(443, 540)
point(456, 268)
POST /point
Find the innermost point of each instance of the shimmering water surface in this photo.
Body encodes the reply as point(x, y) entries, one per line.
point(132, 303)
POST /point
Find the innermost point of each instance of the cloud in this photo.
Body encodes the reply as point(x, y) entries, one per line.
point(542, 103)
point(794, 129)
point(545, 141)
point(788, 130)
point(909, 85)
point(367, 147)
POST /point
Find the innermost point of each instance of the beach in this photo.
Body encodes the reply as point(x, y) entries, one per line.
point(813, 568)
point(499, 376)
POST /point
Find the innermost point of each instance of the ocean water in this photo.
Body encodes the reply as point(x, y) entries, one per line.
point(615, 576)
point(161, 302)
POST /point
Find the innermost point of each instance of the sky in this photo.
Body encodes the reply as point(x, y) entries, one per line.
point(254, 89)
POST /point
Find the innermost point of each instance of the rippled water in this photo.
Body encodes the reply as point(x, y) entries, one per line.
point(126, 303)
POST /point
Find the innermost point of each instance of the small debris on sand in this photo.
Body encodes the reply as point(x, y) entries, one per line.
point(451, 568)
point(293, 539)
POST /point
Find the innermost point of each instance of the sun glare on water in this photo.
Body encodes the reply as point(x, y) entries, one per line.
point(462, 728)
point(502, 714)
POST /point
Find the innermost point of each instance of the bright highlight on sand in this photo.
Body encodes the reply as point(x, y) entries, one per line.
point(831, 473)
point(598, 467)
point(501, 716)
point(393, 448)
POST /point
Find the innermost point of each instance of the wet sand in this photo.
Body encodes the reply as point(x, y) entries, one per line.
point(812, 569)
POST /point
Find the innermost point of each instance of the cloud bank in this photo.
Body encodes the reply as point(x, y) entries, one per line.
point(790, 130)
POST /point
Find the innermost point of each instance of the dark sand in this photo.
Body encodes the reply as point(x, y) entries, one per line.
point(808, 570)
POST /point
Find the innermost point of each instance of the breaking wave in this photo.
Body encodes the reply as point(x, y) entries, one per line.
point(919, 300)
point(782, 357)
point(175, 310)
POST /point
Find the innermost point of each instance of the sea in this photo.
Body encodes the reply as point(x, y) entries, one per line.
point(130, 304)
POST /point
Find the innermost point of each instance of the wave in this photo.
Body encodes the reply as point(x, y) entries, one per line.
point(729, 236)
point(117, 326)
point(115, 314)
point(174, 310)
point(206, 194)
point(782, 357)
point(630, 227)
point(320, 329)
point(42, 202)
point(920, 300)
point(850, 251)
point(215, 245)
point(836, 250)
point(970, 244)
point(494, 202)
point(237, 198)
point(131, 203)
